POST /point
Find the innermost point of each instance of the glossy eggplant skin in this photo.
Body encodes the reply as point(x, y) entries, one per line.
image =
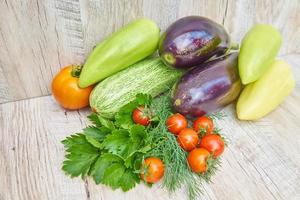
point(207, 88)
point(192, 40)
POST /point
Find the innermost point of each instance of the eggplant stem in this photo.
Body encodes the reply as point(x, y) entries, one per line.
point(233, 47)
point(169, 58)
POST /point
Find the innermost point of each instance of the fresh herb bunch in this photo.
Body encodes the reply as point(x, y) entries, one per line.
point(112, 152)
point(109, 151)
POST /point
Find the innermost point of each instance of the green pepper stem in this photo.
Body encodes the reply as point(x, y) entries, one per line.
point(76, 70)
point(234, 46)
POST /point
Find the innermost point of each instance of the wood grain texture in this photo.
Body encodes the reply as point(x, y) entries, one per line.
point(284, 15)
point(38, 37)
point(262, 160)
point(30, 158)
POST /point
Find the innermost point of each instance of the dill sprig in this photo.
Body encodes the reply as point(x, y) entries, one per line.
point(165, 146)
point(217, 115)
point(224, 138)
point(212, 167)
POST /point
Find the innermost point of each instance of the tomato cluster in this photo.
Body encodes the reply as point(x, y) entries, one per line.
point(201, 142)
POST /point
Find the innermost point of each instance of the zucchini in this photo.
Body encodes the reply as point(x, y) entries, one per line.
point(149, 76)
point(123, 48)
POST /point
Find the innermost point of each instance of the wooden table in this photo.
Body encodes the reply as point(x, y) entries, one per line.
point(37, 38)
point(261, 162)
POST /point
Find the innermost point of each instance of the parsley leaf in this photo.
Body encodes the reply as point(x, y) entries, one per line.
point(113, 174)
point(124, 116)
point(143, 99)
point(106, 123)
point(110, 170)
point(93, 117)
point(80, 155)
point(138, 133)
point(133, 160)
point(99, 121)
point(103, 162)
point(125, 143)
point(93, 142)
point(117, 142)
point(95, 135)
point(128, 180)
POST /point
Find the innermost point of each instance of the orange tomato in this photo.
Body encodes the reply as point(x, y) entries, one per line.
point(176, 123)
point(197, 159)
point(203, 125)
point(66, 91)
point(188, 139)
point(152, 170)
point(213, 143)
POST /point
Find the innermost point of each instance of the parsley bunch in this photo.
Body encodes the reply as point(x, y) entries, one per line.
point(109, 151)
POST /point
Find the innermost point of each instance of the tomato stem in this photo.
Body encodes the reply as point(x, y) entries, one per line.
point(76, 70)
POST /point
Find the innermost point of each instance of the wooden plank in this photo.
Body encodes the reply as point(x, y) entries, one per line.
point(284, 15)
point(100, 18)
point(31, 153)
point(36, 39)
point(261, 162)
point(43, 36)
point(215, 10)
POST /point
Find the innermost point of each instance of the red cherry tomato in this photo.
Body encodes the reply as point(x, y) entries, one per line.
point(197, 160)
point(139, 116)
point(203, 125)
point(188, 139)
point(213, 143)
point(152, 170)
point(176, 123)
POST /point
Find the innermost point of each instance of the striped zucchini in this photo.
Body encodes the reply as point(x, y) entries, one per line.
point(149, 76)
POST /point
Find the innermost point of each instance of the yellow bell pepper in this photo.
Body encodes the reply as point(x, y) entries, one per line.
point(264, 95)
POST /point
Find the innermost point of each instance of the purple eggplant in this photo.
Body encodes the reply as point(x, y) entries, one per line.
point(208, 87)
point(192, 40)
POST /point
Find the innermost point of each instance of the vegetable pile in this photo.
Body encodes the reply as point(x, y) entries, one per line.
point(153, 119)
point(145, 141)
